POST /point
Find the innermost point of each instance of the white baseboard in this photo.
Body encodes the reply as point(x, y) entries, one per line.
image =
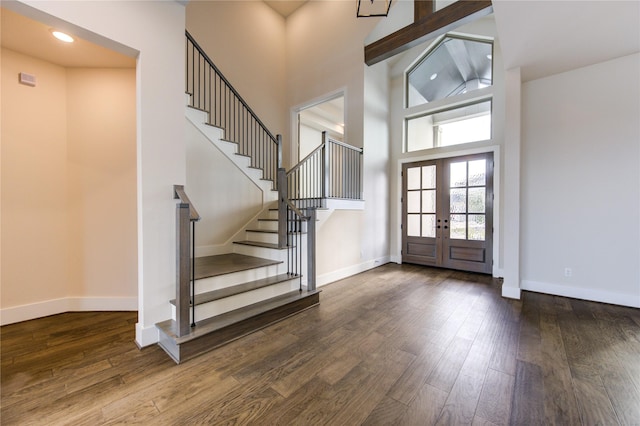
point(510, 292)
point(340, 274)
point(622, 299)
point(67, 304)
point(146, 336)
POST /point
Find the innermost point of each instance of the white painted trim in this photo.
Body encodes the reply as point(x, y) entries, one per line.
point(622, 299)
point(340, 274)
point(498, 272)
point(146, 336)
point(66, 304)
point(340, 204)
point(296, 109)
point(510, 292)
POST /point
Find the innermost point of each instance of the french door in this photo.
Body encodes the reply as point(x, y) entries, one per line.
point(447, 213)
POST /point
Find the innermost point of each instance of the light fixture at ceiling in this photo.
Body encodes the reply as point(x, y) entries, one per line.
point(433, 76)
point(373, 8)
point(62, 36)
point(489, 56)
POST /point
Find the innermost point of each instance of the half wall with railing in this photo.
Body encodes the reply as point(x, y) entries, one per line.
point(332, 171)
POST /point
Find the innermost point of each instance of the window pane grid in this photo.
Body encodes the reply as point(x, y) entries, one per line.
point(467, 200)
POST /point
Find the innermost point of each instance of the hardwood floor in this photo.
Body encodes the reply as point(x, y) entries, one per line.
point(397, 345)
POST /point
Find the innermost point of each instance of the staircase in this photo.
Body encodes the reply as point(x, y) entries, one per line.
point(247, 289)
point(268, 273)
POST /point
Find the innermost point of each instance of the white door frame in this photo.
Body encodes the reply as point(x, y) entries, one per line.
point(293, 120)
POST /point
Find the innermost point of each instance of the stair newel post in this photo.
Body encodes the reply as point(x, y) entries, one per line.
point(182, 268)
point(311, 249)
point(279, 153)
point(193, 273)
point(283, 196)
point(326, 164)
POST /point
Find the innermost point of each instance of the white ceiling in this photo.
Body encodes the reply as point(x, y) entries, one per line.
point(549, 37)
point(33, 38)
point(542, 37)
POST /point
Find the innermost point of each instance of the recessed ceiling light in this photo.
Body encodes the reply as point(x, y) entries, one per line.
point(489, 56)
point(62, 36)
point(433, 76)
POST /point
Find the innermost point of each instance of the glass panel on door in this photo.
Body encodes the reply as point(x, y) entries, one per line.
point(421, 201)
point(467, 200)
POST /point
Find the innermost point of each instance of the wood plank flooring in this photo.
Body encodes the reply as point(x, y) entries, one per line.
point(397, 345)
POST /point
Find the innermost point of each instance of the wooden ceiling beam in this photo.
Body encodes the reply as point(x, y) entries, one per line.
point(429, 25)
point(422, 9)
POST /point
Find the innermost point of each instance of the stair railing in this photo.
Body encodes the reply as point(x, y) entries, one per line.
point(292, 224)
point(332, 170)
point(186, 214)
point(211, 92)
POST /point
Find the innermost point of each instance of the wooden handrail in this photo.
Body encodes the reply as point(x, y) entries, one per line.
point(322, 145)
point(179, 194)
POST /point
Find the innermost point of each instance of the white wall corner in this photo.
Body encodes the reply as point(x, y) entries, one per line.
point(66, 304)
point(33, 310)
point(146, 336)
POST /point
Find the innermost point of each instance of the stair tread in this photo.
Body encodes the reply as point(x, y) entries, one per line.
point(212, 266)
point(221, 293)
point(260, 244)
point(263, 231)
point(218, 322)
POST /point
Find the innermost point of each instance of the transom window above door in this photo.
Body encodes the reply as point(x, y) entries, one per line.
point(453, 66)
point(448, 95)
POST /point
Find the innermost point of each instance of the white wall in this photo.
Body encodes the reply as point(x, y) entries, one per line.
point(69, 189)
point(224, 196)
point(34, 185)
point(101, 159)
point(325, 55)
point(155, 29)
point(581, 183)
point(310, 139)
point(246, 41)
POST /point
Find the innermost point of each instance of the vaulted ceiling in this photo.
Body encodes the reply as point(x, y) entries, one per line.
point(285, 7)
point(541, 37)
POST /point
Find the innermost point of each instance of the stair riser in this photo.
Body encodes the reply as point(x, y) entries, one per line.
point(268, 225)
point(211, 340)
point(218, 307)
point(271, 214)
point(263, 237)
point(227, 280)
point(264, 252)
